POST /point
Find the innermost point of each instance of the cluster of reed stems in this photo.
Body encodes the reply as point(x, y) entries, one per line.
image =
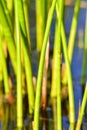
point(15, 43)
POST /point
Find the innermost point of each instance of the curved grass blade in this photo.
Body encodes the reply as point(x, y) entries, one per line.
point(85, 54)
point(7, 14)
point(40, 22)
point(19, 78)
point(73, 30)
point(8, 36)
point(41, 66)
point(72, 36)
point(26, 14)
point(70, 84)
point(28, 69)
point(4, 68)
point(56, 69)
point(82, 109)
point(22, 19)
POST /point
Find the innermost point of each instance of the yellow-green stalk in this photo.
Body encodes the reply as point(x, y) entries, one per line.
point(49, 2)
point(1, 75)
point(5, 4)
point(26, 14)
point(73, 30)
point(41, 66)
point(44, 87)
point(56, 68)
point(6, 120)
point(8, 33)
point(28, 69)
point(70, 84)
point(85, 54)
point(82, 110)
point(10, 7)
point(40, 22)
point(19, 78)
point(4, 67)
point(28, 72)
point(72, 36)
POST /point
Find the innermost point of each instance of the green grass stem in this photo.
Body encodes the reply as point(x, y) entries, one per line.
point(1, 73)
point(82, 109)
point(19, 78)
point(70, 84)
point(85, 54)
point(26, 14)
point(28, 69)
point(73, 30)
point(7, 30)
point(6, 120)
point(40, 22)
point(10, 6)
point(41, 66)
point(28, 72)
point(6, 10)
point(72, 36)
point(56, 69)
point(22, 19)
point(4, 67)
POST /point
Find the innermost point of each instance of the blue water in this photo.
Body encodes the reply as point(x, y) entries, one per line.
point(76, 65)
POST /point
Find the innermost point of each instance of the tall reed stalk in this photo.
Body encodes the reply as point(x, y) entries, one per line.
point(27, 62)
point(44, 86)
point(73, 30)
point(26, 14)
point(6, 120)
point(19, 78)
point(5, 21)
point(72, 36)
point(4, 67)
point(85, 54)
point(10, 7)
point(82, 109)
point(70, 84)
point(41, 65)
point(56, 69)
point(40, 22)
point(6, 10)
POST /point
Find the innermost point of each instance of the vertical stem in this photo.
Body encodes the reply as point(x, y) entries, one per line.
point(6, 121)
point(4, 67)
point(72, 36)
point(55, 90)
point(28, 70)
point(73, 30)
point(82, 109)
point(6, 6)
point(19, 85)
point(44, 86)
point(41, 65)
point(8, 33)
point(70, 84)
point(54, 107)
point(40, 22)
point(85, 54)
point(26, 14)
point(10, 7)
point(56, 83)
